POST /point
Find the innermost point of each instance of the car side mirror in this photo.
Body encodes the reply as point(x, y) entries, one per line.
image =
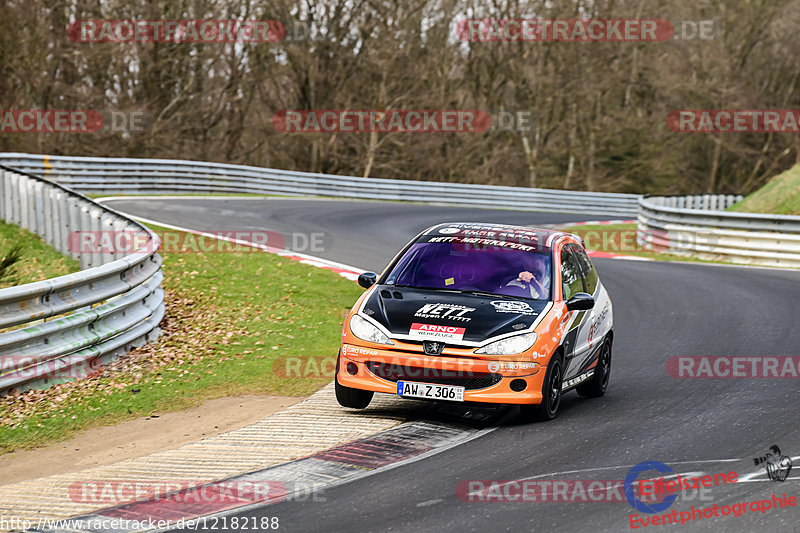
point(367, 279)
point(580, 302)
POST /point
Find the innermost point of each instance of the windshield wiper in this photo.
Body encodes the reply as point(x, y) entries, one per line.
point(490, 294)
point(474, 292)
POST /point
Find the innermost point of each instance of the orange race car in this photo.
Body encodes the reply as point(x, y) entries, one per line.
point(474, 312)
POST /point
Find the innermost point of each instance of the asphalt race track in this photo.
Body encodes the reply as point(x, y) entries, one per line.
point(661, 310)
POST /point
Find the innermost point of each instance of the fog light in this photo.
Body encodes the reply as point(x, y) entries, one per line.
point(518, 385)
point(352, 369)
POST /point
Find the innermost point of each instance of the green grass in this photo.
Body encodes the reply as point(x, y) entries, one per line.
point(231, 316)
point(38, 261)
point(780, 196)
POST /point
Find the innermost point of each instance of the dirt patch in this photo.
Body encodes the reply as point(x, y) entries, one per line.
point(135, 438)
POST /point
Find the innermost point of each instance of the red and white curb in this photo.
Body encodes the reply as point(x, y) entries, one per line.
point(301, 480)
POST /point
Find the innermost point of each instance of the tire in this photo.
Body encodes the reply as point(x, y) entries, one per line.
point(596, 387)
point(551, 393)
point(353, 398)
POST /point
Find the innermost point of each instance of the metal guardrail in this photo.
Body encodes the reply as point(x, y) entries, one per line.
point(695, 226)
point(66, 327)
point(166, 176)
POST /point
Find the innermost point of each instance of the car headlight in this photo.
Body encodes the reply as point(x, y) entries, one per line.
point(510, 345)
point(366, 331)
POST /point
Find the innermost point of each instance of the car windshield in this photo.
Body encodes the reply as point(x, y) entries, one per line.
point(452, 266)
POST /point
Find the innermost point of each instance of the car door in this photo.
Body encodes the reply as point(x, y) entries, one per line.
point(574, 342)
point(600, 317)
point(593, 322)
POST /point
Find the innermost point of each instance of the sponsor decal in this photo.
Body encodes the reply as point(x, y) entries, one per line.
point(449, 231)
point(512, 306)
point(576, 380)
point(777, 465)
point(499, 366)
point(355, 351)
point(596, 323)
point(434, 331)
point(466, 243)
point(448, 311)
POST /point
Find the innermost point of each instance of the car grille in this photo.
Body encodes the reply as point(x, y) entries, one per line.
point(463, 378)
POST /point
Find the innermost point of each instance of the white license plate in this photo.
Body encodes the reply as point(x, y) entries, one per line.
point(430, 391)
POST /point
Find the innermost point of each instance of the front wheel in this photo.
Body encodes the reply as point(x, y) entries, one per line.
point(596, 387)
point(551, 393)
point(353, 398)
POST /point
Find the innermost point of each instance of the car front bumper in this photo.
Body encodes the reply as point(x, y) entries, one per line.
point(485, 380)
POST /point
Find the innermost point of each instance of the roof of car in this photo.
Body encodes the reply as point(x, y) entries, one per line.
point(488, 233)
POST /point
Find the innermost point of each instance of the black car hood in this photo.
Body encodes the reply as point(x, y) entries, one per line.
point(476, 318)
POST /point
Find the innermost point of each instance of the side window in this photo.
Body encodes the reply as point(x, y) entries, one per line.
point(589, 272)
point(571, 278)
